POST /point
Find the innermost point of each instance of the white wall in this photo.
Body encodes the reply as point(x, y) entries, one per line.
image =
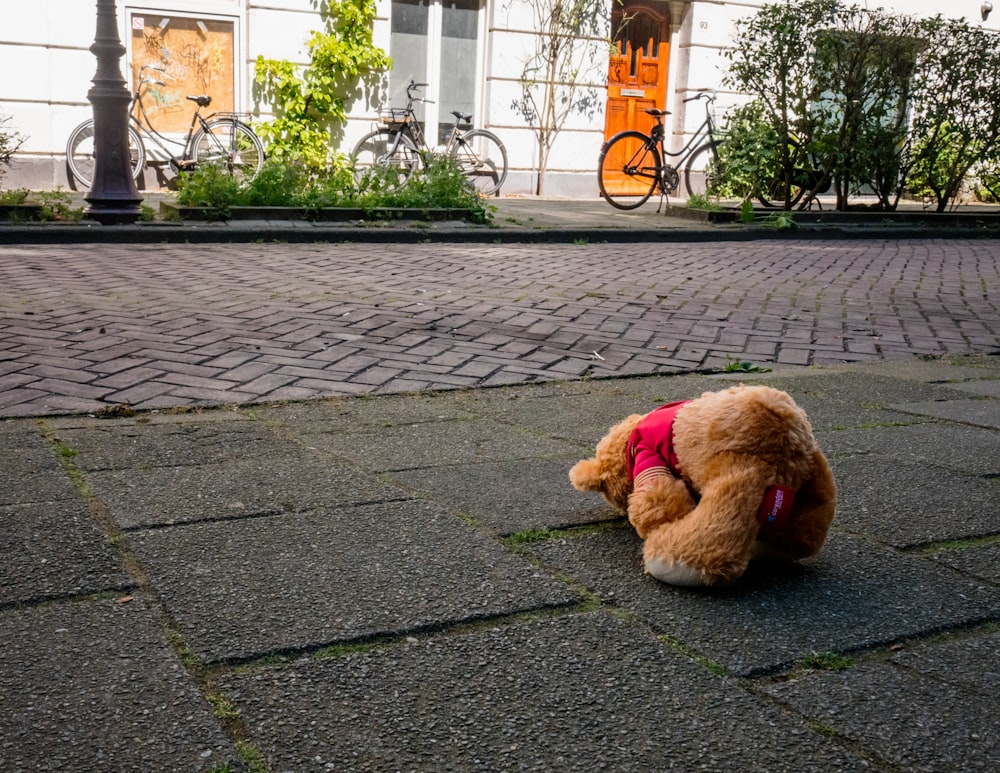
point(47, 68)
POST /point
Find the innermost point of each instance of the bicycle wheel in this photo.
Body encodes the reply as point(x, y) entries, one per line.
point(627, 169)
point(232, 145)
point(772, 193)
point(80, 155)
point(483, 159)
point(701, 173)
point(378, 150)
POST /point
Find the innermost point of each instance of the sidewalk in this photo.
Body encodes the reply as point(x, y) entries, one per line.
point(405, 580)
point(529, 219)
point(409, 583)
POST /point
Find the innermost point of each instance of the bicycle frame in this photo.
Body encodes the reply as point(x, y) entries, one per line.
point(144, 125)
point(409, 125)
point(706, 131)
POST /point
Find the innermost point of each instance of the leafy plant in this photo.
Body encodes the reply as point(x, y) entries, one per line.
point(57, 205)
point(701, 201)
point(569, 52)
point(956, 113)
point(877, 101)
point(211, 187)
point(770, 60)
point(440, 184)
point(309, 104)
point(10, 142)
point(738, 366)
point(14, 197)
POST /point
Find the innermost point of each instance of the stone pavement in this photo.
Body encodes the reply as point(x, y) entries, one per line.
point(88, 327)
point(408, 582)
point(204, 572)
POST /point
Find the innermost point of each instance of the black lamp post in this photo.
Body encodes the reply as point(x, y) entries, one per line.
point(113, 196)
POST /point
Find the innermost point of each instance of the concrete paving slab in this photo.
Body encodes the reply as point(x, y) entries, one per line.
point(54, 549)
point(104, 446)
point(31, 471)
point(582, 412)
point(508, 497)
point(242, 589)
point(140, 498)
point(958, 447)
point(906, 503)
point(344, 414)
point(857, 388)
point(441, 442)
point(844, 400)
point(94, 686)
point(929, 709)
point(853, 596)
point(582, 692)
point(977, 560)
point(981, 413)
point(949, 369)
point(981, 388)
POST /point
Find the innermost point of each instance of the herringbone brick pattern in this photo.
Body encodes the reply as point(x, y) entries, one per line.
point(85, 326)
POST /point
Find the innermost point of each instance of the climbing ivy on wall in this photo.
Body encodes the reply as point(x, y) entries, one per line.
point(309, 104)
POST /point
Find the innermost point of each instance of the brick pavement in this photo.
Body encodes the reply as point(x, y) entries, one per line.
point(156, 326)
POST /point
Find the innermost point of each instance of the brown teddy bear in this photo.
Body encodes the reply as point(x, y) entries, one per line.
point(711, 483)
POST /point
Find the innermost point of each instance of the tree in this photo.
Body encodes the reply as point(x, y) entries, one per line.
point(773, 61)
point(559, 75)
point(956, 112)
point(878, 102)
point(864, 63)
point(309, 105)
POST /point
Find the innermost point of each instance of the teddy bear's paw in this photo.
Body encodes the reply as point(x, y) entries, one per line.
point(585, 475)
point(674, 572)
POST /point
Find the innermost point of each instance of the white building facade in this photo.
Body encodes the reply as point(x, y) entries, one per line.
point(471, 53)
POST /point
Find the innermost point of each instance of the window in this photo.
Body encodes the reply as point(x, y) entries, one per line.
point(196, 56)
point(436, 42)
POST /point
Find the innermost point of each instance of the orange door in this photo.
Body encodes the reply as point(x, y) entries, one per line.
point(637, 68)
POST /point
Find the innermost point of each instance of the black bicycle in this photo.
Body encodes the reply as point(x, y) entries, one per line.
point(633, 165)
point(806, 181)
point(219, 138)
point(400, 146)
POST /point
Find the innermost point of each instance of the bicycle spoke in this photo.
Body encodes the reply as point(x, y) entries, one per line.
point(232, 146)
point(483, 159)
point(80, 155)
point(383, 158)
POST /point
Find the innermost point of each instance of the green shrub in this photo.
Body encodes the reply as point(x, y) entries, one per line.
point(440, 184)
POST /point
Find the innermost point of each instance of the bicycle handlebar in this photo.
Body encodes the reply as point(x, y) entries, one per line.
point(704, 94)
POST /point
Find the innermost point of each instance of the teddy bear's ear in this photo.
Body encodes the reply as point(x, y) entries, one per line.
point(586, 475)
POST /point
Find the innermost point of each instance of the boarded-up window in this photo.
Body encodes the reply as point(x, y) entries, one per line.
point(197, 58)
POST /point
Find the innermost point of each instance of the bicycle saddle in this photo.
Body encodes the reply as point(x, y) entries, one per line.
point(656, 112)
point(462, 116)
point(202, 100)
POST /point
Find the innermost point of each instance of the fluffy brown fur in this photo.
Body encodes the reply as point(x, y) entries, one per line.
point(731, 445)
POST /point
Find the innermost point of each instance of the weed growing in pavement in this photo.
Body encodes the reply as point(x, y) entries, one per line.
point(737, 366)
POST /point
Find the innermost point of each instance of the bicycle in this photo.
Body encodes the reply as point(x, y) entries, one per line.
point(807, 180)
point(221, 138)
point(629, 168)
point(400, 145)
